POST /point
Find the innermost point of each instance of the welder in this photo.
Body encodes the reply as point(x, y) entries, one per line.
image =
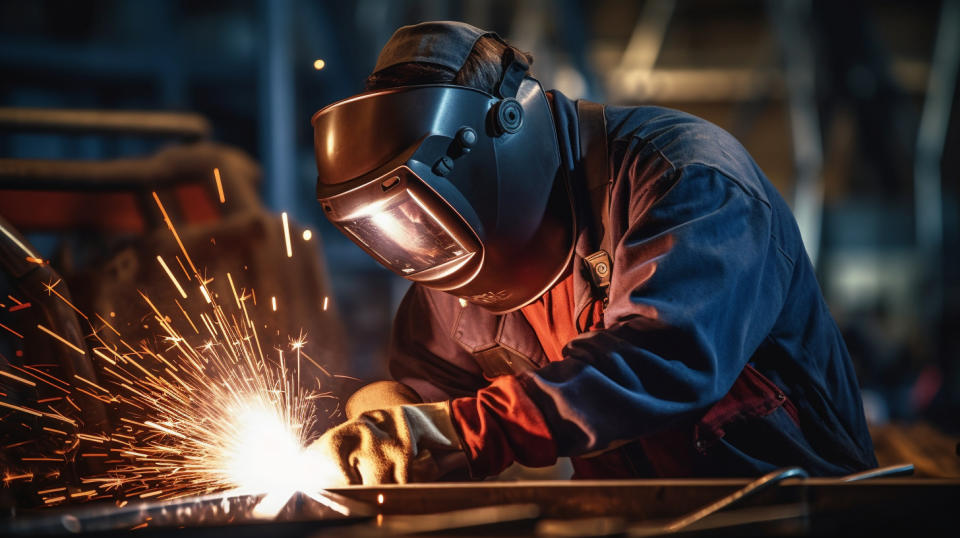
point(617, 285)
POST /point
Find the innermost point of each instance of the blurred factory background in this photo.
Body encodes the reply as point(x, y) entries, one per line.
point(849, 107)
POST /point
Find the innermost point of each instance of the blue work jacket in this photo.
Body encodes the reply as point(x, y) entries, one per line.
point(710, 283)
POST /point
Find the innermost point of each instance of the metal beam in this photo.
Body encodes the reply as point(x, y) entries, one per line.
point(792, 20)
point(931, 138)
point(643, 49)
point(277, 106)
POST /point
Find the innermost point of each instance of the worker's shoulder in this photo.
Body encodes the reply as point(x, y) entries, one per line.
point(686, 141)
point(423, 301)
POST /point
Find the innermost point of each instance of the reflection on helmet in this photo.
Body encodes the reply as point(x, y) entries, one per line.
point(406, 237)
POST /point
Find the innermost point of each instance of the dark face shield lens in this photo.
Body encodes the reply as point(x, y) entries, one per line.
point(406, 235)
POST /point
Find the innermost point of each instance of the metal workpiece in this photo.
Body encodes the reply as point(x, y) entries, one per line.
point(612, 507)
point(794, 507)
point(766, 481)
point(202, 513)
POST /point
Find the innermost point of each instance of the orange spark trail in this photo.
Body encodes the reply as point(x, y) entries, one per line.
point(18, 378)
point(182, 268)
point(11, 478)
point(286, 234)
point(31, 374)
point(172, 278)
point(186, 316)
point(173, 230)
point(62, 339)
point(51, 288)
point(91, 383)
point(107, 323)
point(206, 296)
point(11, 330)
point(216, 174)
point(22, 409)
point(234, 289)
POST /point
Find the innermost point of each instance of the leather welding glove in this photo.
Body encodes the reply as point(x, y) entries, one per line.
point(378, 395)
point(398, 444)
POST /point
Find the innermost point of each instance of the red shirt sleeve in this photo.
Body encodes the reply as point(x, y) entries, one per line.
point(502, 425)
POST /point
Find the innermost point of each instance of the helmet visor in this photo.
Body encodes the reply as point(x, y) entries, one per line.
point(406, 226)
point(405, 236)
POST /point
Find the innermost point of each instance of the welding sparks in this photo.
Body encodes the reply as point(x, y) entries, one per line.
point(213, 415)
point(18, 378)
point(206, 294)
point(52, 289)
point(286, 234)
point(21, 409)
point(62, 339)
point(172, 278)
point(15, 333)
point(196, 416)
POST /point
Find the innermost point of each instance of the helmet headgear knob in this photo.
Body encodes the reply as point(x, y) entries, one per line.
point(507, 116)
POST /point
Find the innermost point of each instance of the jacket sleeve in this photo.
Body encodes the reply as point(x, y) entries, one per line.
point(696, 288)
point(425, 357)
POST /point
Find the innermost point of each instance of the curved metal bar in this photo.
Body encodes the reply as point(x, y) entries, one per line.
point(900, 469)
point(760, 484)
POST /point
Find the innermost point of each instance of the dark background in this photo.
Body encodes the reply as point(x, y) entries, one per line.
point(849, 107)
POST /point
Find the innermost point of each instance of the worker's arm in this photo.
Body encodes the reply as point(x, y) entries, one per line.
point(697, 285)
point(391, 435)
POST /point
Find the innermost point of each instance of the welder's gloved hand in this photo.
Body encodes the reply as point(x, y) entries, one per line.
point(398, 444)
point(379, 395)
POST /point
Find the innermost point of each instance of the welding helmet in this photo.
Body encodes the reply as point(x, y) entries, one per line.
point(449, 186)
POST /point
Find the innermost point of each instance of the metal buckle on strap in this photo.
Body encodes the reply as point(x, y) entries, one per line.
point(600, 267)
